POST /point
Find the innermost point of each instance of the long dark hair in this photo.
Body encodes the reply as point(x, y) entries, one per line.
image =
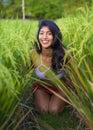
point(57, 46)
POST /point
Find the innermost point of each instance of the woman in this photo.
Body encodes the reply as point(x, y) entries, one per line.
point(48, 54)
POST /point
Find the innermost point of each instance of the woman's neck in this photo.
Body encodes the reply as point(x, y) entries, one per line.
point(47, 52)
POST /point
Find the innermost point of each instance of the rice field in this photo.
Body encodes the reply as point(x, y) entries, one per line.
point(17, 38)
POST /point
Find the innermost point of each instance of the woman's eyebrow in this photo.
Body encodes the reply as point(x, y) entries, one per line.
point(46, 31)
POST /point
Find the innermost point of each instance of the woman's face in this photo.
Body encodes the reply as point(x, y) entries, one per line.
point(45, 37)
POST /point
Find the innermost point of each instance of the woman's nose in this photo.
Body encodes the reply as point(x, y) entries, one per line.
point(45, 35)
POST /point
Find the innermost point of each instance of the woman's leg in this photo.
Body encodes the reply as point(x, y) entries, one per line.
point(56, 104)
point(41, 100)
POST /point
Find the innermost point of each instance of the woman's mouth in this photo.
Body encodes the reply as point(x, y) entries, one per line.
point(45, 42)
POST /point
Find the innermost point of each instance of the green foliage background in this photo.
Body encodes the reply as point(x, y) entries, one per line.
point(17, 39)
point(38, 9)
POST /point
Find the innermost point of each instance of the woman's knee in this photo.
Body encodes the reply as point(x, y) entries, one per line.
point(56, 108)
point(53, 110)
point(41, 108)
point(41, 101)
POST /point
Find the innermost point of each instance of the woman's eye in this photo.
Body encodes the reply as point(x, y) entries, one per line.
point(41, 33)
point(50, 33)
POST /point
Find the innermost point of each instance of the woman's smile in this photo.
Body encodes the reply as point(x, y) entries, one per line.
point(45, 41)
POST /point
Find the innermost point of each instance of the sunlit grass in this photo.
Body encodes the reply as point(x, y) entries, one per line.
point(17, 39)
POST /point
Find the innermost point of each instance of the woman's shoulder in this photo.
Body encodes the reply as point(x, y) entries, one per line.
point(32, 51)
point(33, 54)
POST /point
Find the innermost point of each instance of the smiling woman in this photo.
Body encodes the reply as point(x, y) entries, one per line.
point(45, 37)
point(48, 55)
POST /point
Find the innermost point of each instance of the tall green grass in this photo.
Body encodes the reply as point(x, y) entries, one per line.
point(16, 40)
point(78, 33)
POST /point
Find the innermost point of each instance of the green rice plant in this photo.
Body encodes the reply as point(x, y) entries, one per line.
point(82, 94)
point(15, 70)
point(17, 39)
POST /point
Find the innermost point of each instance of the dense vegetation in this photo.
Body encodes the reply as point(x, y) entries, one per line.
point(38, 9)
point(16, 40)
